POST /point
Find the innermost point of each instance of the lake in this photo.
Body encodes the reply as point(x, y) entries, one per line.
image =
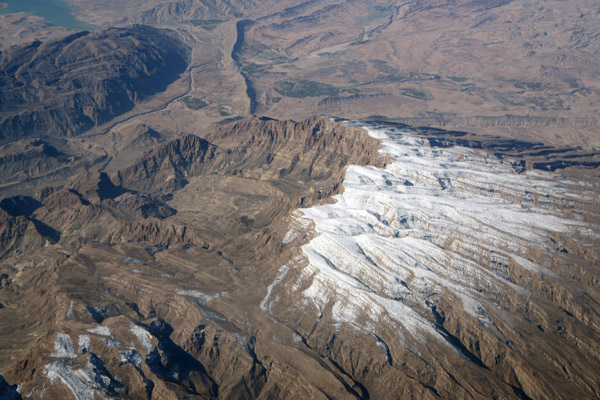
point(55, 11)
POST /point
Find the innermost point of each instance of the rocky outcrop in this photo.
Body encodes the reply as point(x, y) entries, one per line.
point(17, 234)
point(20, 231)
point(144, 137)
point(317, 134)
point(166, 167)
point(139, 207)
point(31, 159)
point(259, 147)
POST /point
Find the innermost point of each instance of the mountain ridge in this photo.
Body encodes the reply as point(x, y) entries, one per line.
point(63, 87)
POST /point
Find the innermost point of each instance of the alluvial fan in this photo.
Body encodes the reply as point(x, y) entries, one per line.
point(471, 276)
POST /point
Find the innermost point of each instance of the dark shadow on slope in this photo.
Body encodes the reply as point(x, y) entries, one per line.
point(173, 364)
point(453, 340)
point(46, 231)
point(20, 205)
point(8, 392)
point(24, 206)
point(82, 199)
point(107, 189)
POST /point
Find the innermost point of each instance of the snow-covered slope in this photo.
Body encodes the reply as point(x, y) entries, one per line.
point(440, 232)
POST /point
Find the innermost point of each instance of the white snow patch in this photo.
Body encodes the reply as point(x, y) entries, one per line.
point(84, 344)
point(100, 330)
point(290, 236)
point(63, 347)
point(70, 310)
point(264, 304)
point(109, 342)
point(298, 225)
point(83, 383)
point(133, 357)
point(143, 336)
point(296, 339)
point(202, 298)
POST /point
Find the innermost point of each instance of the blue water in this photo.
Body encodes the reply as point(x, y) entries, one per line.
point(54, 11)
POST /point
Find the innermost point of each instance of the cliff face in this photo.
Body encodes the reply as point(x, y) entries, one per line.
point(258, 148)
point(64, 86)
point(316, 134)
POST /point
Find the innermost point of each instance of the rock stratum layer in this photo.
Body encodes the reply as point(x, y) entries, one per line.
point(444, 267)
point(63, 87)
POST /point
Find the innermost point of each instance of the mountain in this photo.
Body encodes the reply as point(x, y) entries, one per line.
point(169, 164)
point(452, 269)
point(441, 267)
point(259, 147)
point(437, 238)
point(30, 158)
point(65, 86)
point(135, 220)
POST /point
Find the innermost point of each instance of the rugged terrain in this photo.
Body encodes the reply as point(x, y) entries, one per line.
point(190, 216)
point(159, 241)
point(441, 269)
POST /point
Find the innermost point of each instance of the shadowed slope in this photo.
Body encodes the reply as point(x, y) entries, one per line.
point(65, 86)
